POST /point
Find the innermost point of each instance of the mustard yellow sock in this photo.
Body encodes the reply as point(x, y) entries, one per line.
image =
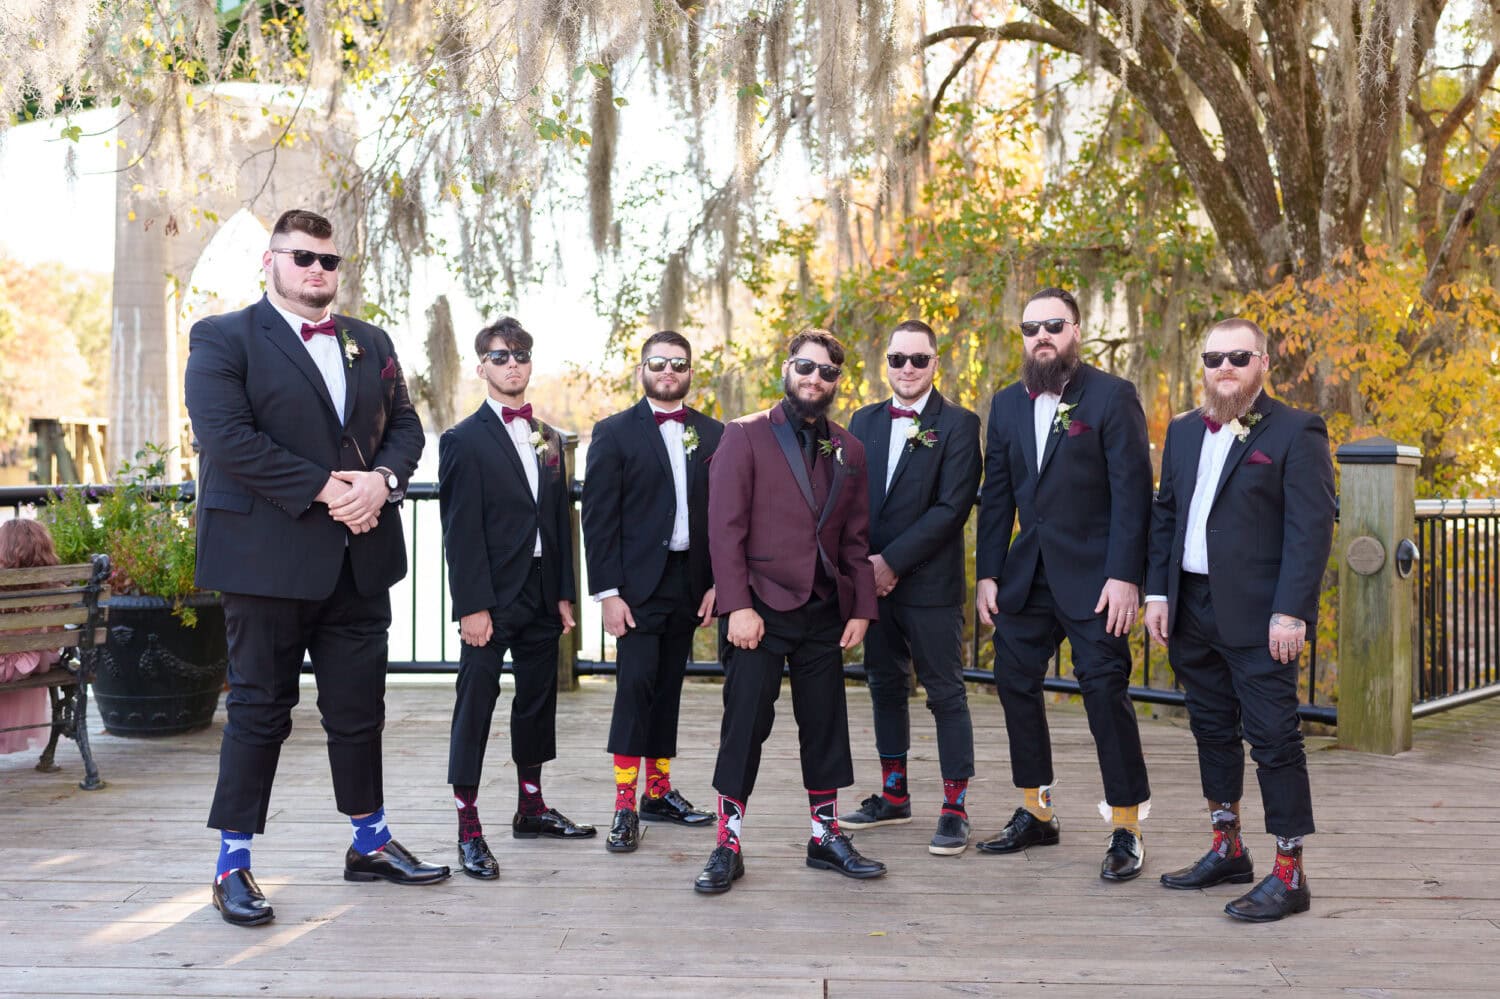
point(1039, 802)
point(1128, 817)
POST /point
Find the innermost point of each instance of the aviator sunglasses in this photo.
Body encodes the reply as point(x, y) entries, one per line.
point(305, 258)
point(917, 360)
point(806, 366)
point(658, 364)
point(1238, 358)
point(500, 358)
point(1031, 327)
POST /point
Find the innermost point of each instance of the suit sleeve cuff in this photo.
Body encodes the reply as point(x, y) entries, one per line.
point(603, 595)
point(1155, 598)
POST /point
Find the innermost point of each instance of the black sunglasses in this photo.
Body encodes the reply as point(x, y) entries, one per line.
point(660, 364)
point(502, 357)
point(1031, 326)
point(917, 360)
point(305, 258)
point(806, 366)
point(1238, 358)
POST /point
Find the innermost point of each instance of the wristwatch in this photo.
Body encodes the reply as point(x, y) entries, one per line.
point(391, 483)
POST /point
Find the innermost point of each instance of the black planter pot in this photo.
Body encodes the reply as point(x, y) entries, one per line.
point(156, 676)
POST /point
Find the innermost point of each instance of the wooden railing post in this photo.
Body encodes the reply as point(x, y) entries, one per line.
point(572, 643)
point(1376, 512)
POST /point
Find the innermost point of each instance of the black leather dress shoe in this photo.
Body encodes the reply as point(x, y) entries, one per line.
point(1123, 859)
point(1270, 900)
point(476, 859)
point(724, 868)
point(1022, 831)
point(835, 852)
point(550, 823)
point(394, 863)
point(1212, 869)
point(239, 900)
point(673, 807)
point(625, 834)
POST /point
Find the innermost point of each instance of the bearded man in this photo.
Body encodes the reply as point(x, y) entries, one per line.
point(1240, 535)
point(788, 530)
point(1067, 454)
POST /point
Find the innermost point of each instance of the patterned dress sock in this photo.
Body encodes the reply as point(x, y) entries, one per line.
point(824, 806)
point(234, 853)
point(530, 800)
point(731, 817)
point(1289, 861)
point(627, 770)
point(893, 780)
point(955, 796)
point(1125, 816)
point(465, 799)
point(370, 833)
point(658, 776)
point(1227, 841)
point(1039, 801)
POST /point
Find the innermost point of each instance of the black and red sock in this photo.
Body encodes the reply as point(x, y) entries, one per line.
point(465, 799)
point(627, 772)
point(824, 806)
point(893, 779)
point(530, 791)
point(955, 793)
point(731, 816)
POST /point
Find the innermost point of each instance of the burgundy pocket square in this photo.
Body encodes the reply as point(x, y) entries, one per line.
point(389, 371)
point(1258, 458)
point(1077, 427)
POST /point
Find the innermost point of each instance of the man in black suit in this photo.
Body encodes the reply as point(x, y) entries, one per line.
point(645, 532)
point(1240, 536)
point(1067, 452)
point(504, 495)
point(924, 474)
point(306, 439)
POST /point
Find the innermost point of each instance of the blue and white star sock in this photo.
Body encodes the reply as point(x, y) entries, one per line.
point(234, 853)
point(370, 832)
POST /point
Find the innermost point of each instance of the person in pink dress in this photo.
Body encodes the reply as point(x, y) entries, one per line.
point(23, 544)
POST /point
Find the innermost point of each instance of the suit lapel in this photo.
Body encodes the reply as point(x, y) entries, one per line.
point(928, 420)
point(1025, 423)
point(351, 371)
point(280, 334)
point(838, 479)
point(786, 437)
point(878, 450)
point(1070, 396)
point(1240, 449)
point(507, 446)
point(652, 433)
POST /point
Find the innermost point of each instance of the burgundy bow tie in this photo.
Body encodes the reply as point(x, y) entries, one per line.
point(326, 326)
point(897, 413)
point(1212, 425)
point(509, 414)
point(680, 415)
point(1032, 395)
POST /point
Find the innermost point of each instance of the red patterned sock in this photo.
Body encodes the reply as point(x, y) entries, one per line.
point(658, 776)
point(465, 797)
point(627, 770)
point(731, 816)
point(825, 812)
point(955, 793)
point(530, 801)
point(1289, 862)
point(893, 779)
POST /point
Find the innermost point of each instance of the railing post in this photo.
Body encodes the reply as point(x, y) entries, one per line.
point(1377, 495)
point(572, 643)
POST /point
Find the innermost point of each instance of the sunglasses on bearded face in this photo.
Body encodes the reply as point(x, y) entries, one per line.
point(305, 258)
point(918, 361)
point(1238, 358)
point(500, 358)
point(656, 365)
point(1031, 327)
point(806, 366)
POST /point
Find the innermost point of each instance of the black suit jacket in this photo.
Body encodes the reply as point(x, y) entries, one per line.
point(918, 526)
point(490, 520)
point(268, 436)
point(1085, 514)
point(630, 502)
point(1270, 527)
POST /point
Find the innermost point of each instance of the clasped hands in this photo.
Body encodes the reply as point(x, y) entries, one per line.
point(354, 498)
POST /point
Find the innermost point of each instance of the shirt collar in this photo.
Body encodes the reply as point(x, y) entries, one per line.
point(295, 321)
point(658, 407)
point(920, 405)
point(497, 406)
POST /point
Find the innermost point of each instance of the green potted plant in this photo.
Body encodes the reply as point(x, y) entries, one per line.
point(162, 668)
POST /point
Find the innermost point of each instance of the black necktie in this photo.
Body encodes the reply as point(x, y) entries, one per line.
point(808, 440)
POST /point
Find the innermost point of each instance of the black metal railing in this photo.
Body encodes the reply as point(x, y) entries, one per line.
point(1458, 603)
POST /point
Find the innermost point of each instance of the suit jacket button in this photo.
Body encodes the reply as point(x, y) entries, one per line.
point(667, 543)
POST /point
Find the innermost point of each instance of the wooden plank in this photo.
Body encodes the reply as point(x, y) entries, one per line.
point(48, 640)
point(39, 619)
point(76, 572)
point(63, 596)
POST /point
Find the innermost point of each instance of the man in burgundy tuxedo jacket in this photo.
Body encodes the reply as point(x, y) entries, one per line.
point(1240, 535)
point(788, 527)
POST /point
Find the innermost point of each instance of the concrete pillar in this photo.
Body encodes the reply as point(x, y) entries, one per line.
point(1377, 494)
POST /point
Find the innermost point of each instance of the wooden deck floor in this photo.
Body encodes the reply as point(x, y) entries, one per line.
point(105, 893)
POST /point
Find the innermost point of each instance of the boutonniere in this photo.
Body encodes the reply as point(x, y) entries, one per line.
point(1064, 418)
point(916, 435)
point(352, 352)
point(833, 447)
point(538, 442)
point(1241, 428)
point(689, 440)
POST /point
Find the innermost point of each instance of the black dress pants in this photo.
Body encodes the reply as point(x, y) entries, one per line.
point(530, 631)
point(1235, 695)
point(650, 662)
point(1024, 642)
point(807, 640)
point(345, 635)
point(929, 640)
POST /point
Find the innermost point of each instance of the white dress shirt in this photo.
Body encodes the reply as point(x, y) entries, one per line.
point(671, 436)
point(899, 427)
point(326, 352)
point(1043, 412)
point(520, 435)
point(1216, 445)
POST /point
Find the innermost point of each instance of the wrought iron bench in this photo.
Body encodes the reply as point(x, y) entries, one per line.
point(47, 609)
